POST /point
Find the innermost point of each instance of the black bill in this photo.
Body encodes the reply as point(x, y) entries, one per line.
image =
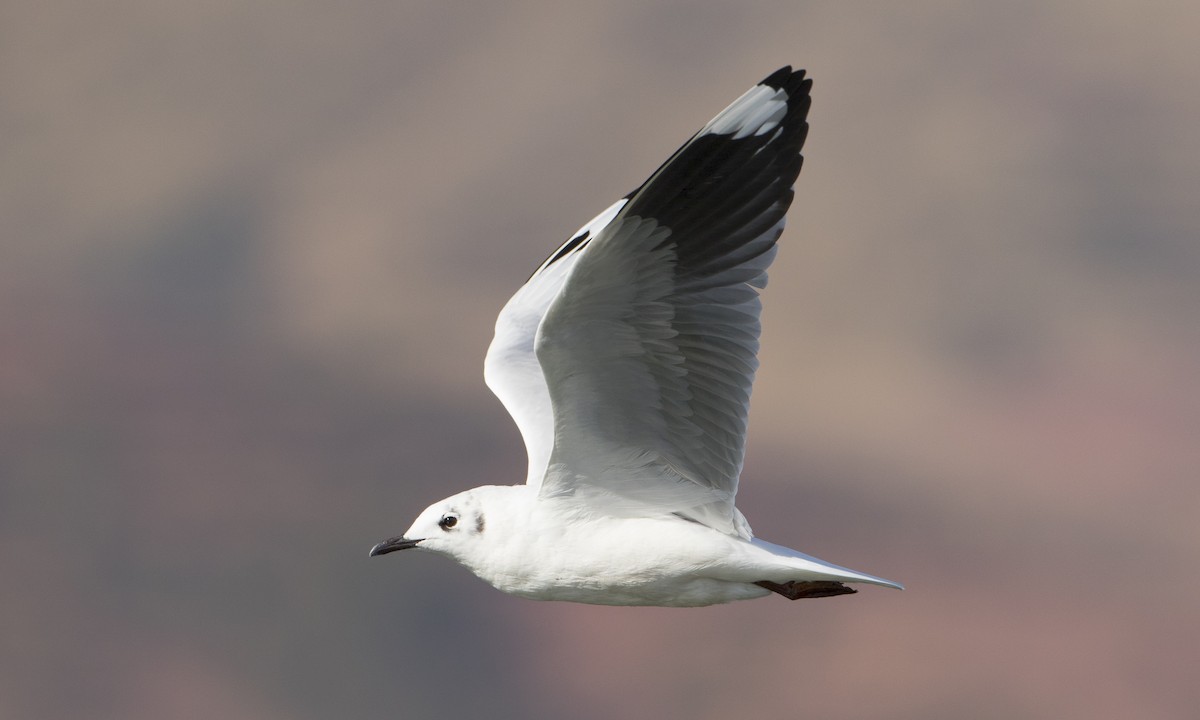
point(394, 544)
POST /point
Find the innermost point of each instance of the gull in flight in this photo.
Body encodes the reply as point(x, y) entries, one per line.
point(626, 361)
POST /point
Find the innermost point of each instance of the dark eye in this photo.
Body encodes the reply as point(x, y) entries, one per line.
point(448, 521)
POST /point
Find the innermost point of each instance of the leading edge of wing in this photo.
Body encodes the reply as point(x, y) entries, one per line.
point(511, 368)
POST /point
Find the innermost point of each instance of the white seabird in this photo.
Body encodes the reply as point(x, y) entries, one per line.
point(626, 361)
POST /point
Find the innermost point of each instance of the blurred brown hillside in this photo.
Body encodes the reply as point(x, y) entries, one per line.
point(251, 254)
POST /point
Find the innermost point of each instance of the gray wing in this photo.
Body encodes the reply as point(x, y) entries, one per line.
point(649, 347)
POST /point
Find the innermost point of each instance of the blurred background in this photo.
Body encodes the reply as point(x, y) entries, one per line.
point(252, 253)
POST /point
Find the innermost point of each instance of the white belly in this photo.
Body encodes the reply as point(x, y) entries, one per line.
point(668, 563)
point(695, 592)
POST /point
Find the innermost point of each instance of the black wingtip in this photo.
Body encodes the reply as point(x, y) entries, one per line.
point(786, 79)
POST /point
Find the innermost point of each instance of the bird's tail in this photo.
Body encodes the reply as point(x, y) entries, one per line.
point(809, 568)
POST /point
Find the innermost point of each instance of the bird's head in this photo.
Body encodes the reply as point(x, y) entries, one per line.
point(455, 526)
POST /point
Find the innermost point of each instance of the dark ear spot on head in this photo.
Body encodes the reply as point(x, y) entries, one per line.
point(479, 523)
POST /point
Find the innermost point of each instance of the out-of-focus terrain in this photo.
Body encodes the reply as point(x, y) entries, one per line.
point(251, 255)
